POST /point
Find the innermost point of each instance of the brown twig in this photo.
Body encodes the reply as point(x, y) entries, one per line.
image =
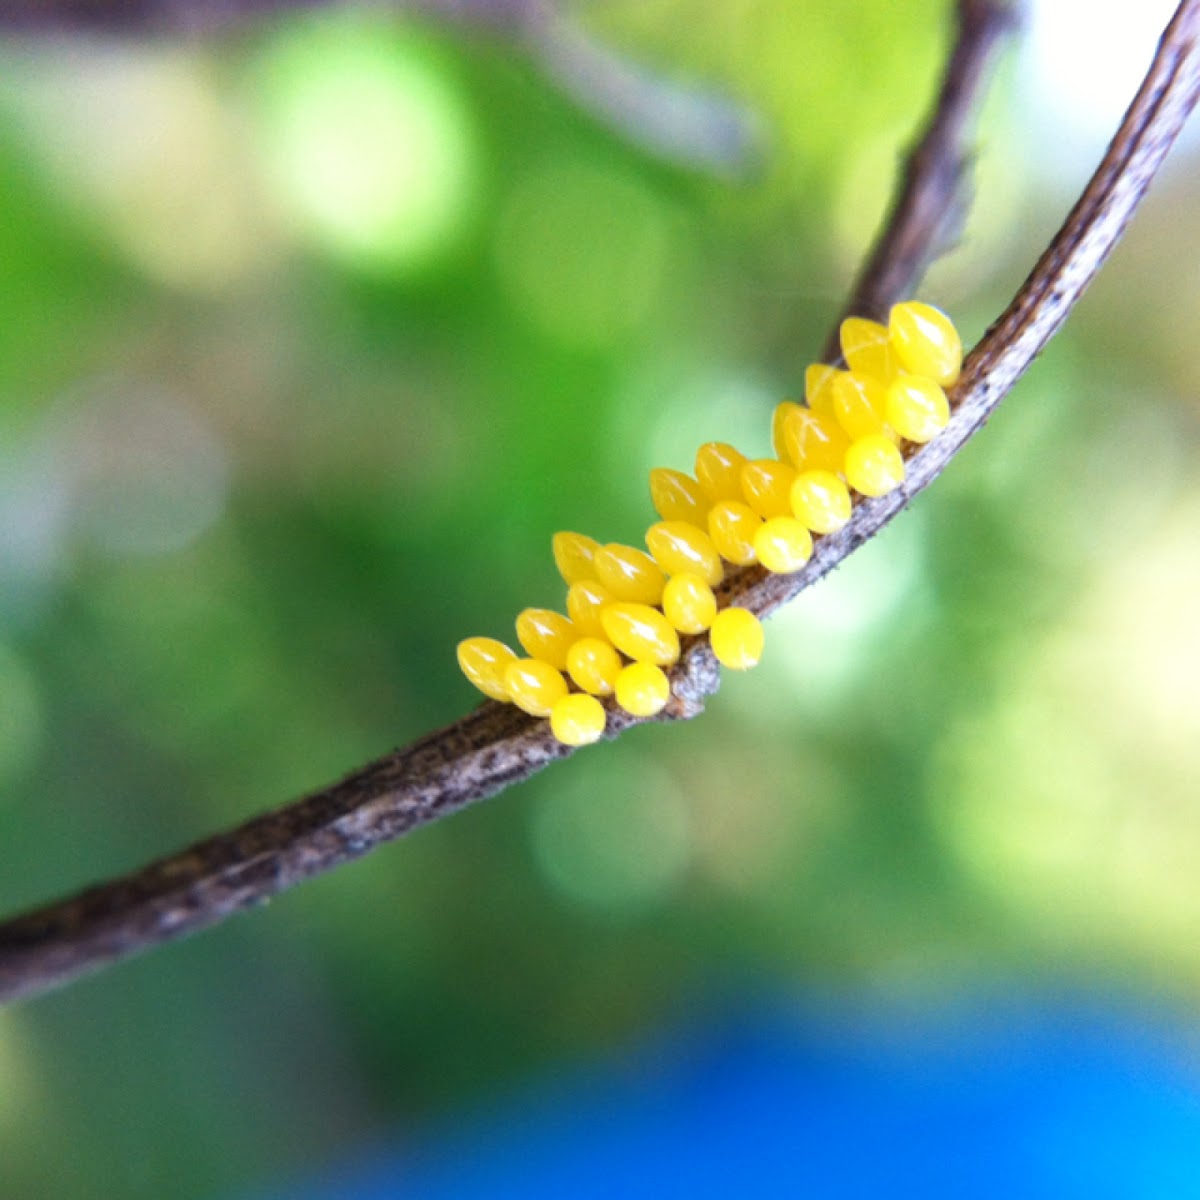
point(496, 746)
point(930, 204)
point(124, 17)
point(693, 126)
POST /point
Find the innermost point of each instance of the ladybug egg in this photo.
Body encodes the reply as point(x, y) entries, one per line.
point(534, 685)
point(818, 388)
point(767, 486)
point(821, 500)
point(688, 603)
point(573, 553)
point(483, 661)
point(677, 546)
point(629, 574)
point(641, 633)
point(577, 720)
point(737, 638)
point(678, 497)
point(732, 526)
point(866, 349)
point(814, 441)
point(783, 545)
point(858, 401)
point(546, 635)
point(917, 408)
point(874, 466)
point(925, 341)
point(594, 665)
point(719, 470)
point(643, 689)
point(585, 601)
point(783, 410)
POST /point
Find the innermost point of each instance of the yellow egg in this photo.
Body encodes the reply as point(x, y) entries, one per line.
point(859, 401)
point(737, 638)
point(483, 661)
point(925, 341)
point(917, 408)
point(783, 545)
point(546, 635)
point(821, 500)
point(678, 546)
point(719, 468)
point(585, 600)
point(534, 685)
point(688, 603)
point(767, 486)
point(814, 442)
point(783, 410)
point(641, 633)
point(629, 574)
point(643, 689)
point(866, 348)
point(577, 720)
point(818, 388)
point(678, 497)
point(594, 665)
point(732, 526)
point(874, 466)
point(573, 553)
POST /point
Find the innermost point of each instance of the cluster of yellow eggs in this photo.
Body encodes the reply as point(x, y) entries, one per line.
point(626, 608)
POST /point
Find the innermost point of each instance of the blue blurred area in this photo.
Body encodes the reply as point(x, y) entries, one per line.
point(1007, 1101)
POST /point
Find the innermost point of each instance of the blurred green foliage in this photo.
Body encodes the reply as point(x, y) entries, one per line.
point(310, 337)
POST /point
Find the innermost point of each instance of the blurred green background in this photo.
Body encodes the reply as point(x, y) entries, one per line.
point(312, 334)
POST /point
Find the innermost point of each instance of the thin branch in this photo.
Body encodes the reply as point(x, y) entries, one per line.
point(125, 17)
point(931, 202)
point(694, 126)
point(496, 746)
